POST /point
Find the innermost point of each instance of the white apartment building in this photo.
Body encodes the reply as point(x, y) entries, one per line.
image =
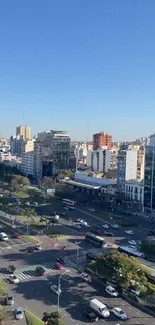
point(99, 160)
point(134, 191)
point(38, 160)
point(127, 167)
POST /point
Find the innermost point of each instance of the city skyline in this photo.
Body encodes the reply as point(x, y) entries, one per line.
point(82, 66)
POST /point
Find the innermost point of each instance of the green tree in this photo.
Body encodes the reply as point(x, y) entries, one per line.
point(21, 180)
point(29, 213)
point(148, 247)
point(33, 193)
point(53, 318)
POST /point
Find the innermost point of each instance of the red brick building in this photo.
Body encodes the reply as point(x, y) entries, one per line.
point(102, 139)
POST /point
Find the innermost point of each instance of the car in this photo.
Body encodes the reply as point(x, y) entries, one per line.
point(18, 236)
point(55, 289)
point(59, 266)
point(10, 299)
point(91, 256)
point(92, 209)
point(77, 226)
point(105, 226)
point(35, 204)
point(79, 220)
point(132, 242)
point(27, 203)
point(85, 277)
point(90, 316)
point(60, 260)
point(129, 232)
point(30, 249)
point(119, 313)
point(108, 234)
point(11, 268)
point(13, 279)
point(115, 226)
point(83, 223)
point(19, 313)
point(96, 231)
point(40, 270)
point(111, 291)
point(37, 247)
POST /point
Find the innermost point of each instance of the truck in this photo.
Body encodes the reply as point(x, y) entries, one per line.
point(99, 308)
point(3, 236)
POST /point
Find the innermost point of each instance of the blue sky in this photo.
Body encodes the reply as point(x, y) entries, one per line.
point(79, 65)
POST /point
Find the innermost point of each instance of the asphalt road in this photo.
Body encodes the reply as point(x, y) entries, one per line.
point(36, 296)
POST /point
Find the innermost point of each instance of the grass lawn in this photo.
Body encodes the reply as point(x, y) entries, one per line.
point(57, 236)
point(32, 319)
point(20, 217)
point(21, 195)
point(31, 239)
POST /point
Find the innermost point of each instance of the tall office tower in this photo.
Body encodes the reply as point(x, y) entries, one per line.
point(127, 167)
point(102, 139)
point(24, 131)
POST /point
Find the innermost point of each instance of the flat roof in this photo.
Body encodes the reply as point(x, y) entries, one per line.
point(93, 187)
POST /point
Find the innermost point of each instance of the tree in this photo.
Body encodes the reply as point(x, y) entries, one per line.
point(21, 180)
point(48, 182)
point(120, 269)
point(53, 318)
point(34, 193)
point(29, 213)
point(3, 289)
point(148, 247)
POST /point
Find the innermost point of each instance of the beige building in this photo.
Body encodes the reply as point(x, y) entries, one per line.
point(140, 164)
point(24, 131)
point(28, 157)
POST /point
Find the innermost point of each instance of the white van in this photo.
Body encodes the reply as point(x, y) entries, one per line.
point(99, 307)
point(3, 236)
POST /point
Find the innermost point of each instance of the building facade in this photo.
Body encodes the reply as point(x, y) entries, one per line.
point(134, 191)
point(100, 160)
point(27, 157)
point(24, 131)
point(149, 178)
point(102, 139)
point(127, 167)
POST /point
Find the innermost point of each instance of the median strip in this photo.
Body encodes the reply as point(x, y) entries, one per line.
point(32, 319)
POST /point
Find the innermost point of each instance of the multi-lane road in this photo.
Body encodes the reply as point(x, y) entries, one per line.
point(33, 292)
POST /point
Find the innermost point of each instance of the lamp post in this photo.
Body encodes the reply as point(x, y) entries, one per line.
point(77, 252)
point(59, 286)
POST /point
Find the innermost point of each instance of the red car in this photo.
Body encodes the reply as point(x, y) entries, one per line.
point(18, 236)
point(59, 266)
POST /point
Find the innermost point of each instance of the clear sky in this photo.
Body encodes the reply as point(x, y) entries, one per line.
point(79, 65)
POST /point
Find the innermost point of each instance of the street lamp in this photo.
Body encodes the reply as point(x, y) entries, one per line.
point(77, 252)
point(59, 286)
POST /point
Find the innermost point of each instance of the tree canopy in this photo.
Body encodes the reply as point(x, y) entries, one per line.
point(148, 247)
point(53, 318)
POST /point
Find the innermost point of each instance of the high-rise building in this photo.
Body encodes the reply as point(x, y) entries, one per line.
point(27, 156)
point(16, 143)
point(24, 131)
point(127, 167)
point(102, 139)
point(149, 178)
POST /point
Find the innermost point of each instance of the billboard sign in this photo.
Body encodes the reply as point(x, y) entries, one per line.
point(50, 190)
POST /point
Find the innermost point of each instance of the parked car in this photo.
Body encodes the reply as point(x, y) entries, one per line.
point(11, 268)
point(90, 316)
point(115, 226)
point(132, 242)
point(111, 291)
point(59, 266)
point(37, 247)
point(55, 289)
point(10, 299)
point(77, 226)
point(96, 231)
point(18, 236)
point(19, 313)
point(129, 232)
point(85, 277)
point(40, 270)
point(119, 313)
point(108, 234)
point(105, 226)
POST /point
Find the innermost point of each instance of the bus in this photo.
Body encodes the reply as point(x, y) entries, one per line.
point(96, 240)
point(68, 202)
point(127, 250)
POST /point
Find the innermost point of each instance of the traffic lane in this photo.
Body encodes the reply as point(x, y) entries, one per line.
point(84, 292)
point(13, 242)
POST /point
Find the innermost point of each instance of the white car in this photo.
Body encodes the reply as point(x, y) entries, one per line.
point(19, 313)
point(84, 223)
point(85, 277)
point(132, 242)
point(111, 291)
point(79, 220)
point(13, 279)
point(91, 209)
point(115, 226)
point(27, 203)
point(105, 226)
point(55, 289)
point(129, 232)
point(119, 313)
